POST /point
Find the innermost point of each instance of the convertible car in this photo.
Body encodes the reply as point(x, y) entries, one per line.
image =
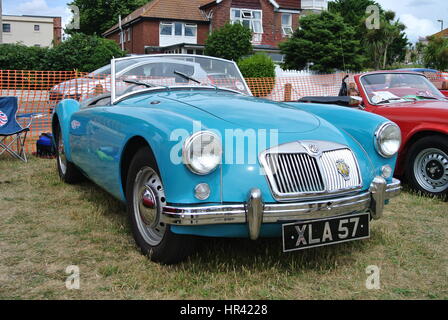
point(410, 100)
point(195, 155)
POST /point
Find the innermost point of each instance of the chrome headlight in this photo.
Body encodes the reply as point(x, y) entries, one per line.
point(388, 139)
point(202, 152)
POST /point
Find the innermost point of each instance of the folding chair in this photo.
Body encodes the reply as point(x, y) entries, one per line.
point(9, 127)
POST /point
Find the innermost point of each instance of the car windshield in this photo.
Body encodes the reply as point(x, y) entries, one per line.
point(398, 87)
point(106, 70)
point(171, 71)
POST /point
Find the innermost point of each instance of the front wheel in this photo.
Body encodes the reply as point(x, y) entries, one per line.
point(427, 165)
point(145, 200)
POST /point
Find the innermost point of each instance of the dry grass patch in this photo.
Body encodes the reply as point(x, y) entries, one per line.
point(47, 225)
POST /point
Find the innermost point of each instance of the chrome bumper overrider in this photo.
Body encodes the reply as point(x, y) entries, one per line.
point(255, 212)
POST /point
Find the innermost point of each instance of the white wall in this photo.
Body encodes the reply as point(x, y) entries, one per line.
point(22, 30)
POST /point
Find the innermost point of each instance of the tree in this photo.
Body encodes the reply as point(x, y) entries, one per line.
point(382, 47)
point(435, 54)
point(352, 11)
point(325, 42)
point(231, 42)
point(386, 43)
point(83, 52)
point(99, 15)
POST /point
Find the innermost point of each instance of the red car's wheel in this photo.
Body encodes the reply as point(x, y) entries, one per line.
point(427, 165)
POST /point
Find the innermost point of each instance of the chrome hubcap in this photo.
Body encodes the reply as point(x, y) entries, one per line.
point(148, 200)
point(62, 159)
point(431, 170)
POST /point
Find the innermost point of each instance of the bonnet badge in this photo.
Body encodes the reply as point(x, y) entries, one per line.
point(343, 169)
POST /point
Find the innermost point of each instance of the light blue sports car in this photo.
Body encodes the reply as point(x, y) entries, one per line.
point(181, 140)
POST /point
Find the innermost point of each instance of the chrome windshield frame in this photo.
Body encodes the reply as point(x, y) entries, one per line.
point(393, 73)
point(115, 99)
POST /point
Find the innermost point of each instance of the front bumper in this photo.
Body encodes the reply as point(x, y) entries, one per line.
point(254, 212)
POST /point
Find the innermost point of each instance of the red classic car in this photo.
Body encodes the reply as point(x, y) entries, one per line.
point(410, 100)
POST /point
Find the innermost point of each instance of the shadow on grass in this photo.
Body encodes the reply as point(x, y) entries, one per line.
point(224, 254)
point(264, 254)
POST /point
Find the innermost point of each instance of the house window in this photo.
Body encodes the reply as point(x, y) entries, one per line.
point(129, 34)
point(6, 27)
point(36, 27)
point(178, 29)
point(249, 18)
point(287, 24)
point(166, 29)
point(190, 30)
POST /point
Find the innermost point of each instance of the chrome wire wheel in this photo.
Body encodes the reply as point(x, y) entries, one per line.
point(431, 170)
point(62, 158)
point(148, 201)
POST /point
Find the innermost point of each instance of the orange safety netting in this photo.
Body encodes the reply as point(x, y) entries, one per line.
point(40, 91)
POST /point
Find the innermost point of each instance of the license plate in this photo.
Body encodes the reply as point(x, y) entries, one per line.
point(319, 233)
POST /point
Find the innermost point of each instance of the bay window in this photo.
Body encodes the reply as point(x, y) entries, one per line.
point(249, 18)
point(166, 29)
point(178, 29)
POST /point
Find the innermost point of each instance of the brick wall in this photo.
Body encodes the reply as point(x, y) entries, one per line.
point(146, 33)
point(57, 30)
point(272, 21)
point(203, 32)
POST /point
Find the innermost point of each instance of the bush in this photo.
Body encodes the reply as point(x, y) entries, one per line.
point(82, 52)
point(231, 42)
point(259, 66)
point(21, 57)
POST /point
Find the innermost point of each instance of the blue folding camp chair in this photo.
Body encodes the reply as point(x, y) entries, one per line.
point(9, 127)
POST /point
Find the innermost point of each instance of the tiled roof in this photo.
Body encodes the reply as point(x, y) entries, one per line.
point(168, 9)
point(443, 33)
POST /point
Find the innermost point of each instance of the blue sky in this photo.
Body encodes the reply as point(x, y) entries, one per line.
point(420, 16)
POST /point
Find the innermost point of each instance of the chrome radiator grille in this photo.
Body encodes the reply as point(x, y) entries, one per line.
point(294, 175)
point(335, 181)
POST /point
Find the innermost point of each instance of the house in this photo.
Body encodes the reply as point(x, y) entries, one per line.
point(443, 33)
point(182, 26)
point(39, 31)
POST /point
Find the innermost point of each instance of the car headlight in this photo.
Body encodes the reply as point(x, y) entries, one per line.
point(202, 152)
point(388, 139)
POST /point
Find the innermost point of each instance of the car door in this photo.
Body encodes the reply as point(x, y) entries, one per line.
point(96, 142)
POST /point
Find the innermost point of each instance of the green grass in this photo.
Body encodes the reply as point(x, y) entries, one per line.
point(47, 225)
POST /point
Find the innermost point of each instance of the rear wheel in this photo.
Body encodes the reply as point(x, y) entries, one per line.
point(427, 165)
point(145, 200)
point(68, 172)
